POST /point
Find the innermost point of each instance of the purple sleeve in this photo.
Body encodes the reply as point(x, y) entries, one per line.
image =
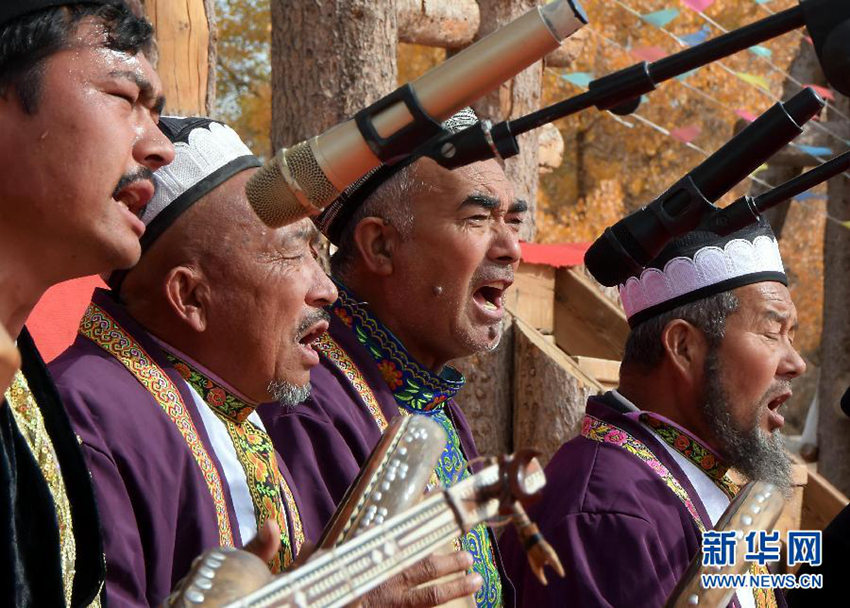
point(322, 466)
point(610, 559)
point(125, 567)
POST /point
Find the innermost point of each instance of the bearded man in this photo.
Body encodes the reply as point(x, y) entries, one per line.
point(163, 381)
point(425, 255)
point(79, 103)
point(708, 362)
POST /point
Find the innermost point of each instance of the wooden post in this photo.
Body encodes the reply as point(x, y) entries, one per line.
point(185, 33)
point(833, 426)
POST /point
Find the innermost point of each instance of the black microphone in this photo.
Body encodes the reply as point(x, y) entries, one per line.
point(625, 248)
point(301, 180)
point(845, 402)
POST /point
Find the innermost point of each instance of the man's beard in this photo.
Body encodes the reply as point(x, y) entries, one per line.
point(758, 455)
point(287, 394)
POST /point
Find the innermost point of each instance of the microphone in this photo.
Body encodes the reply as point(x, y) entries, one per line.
point(625, 248)
point(747, 210)
point(301, 180)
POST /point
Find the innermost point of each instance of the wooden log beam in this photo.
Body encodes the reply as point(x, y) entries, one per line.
point(447, 24)
point(185, 33)
point(587, 323)
point(550, 392)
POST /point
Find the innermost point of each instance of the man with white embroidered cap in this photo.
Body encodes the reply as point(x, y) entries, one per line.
point(79, 103)
point(708, 363)
point(163, 381)
point(163, 378)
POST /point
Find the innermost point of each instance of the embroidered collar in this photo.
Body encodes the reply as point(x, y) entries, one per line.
point(686, 444)
point(414, 387)
point(222, 400)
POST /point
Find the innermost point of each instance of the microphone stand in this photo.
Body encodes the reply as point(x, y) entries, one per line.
point(746, 210)
point(621, 91)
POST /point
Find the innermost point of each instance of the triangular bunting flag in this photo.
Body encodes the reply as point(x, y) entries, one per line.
point(698, 5)
point(580, 79)
point(686, 134)
point(661, 18)
point(746, 115)
point(697, 37)
point(816, 150)
point(649, 53)
point(758, 81)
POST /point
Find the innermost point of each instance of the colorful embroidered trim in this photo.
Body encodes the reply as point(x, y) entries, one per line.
point(412, 385)
point(596, 430)
point(30, 423)
point(689, 447)
point(224, 403)
point(402, 374)
point(256, 453)
point(333, 352)
point(99, 327)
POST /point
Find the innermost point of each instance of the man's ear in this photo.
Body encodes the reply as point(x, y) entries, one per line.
point(187, 292)
point(685, 349)
point(376, 241)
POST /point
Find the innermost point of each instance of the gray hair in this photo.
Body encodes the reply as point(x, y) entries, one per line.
point(391, 201)
point(644, 349)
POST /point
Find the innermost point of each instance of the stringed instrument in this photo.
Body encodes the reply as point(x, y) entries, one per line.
point(227, 578)
point(756, 507)
point(394, 478)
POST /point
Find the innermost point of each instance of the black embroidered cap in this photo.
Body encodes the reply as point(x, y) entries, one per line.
point(332, 221)
point(12, 9)
point(701, 264)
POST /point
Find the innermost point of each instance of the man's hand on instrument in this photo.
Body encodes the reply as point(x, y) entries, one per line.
point(266, 543)
point(405, 590)
point(10, 359)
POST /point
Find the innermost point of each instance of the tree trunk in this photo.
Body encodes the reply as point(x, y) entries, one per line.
point(834, 427)
point(329, 60)
point(513, 99)
point(805, 68)
point(185, 33)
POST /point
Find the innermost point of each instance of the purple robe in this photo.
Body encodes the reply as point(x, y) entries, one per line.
point(156, 507)
point(326, 440)
point(623, 537)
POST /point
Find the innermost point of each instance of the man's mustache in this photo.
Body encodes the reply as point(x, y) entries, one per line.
point(320, 314)
point(139, 175)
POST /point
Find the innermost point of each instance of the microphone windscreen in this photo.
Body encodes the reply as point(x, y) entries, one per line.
point(272, 194)
point(845, 402)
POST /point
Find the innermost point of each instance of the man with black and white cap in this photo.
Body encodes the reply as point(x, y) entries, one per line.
point(163, 381)
point(163, 378)
point(425, 256)
point(79, 103)
point(708, 363)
